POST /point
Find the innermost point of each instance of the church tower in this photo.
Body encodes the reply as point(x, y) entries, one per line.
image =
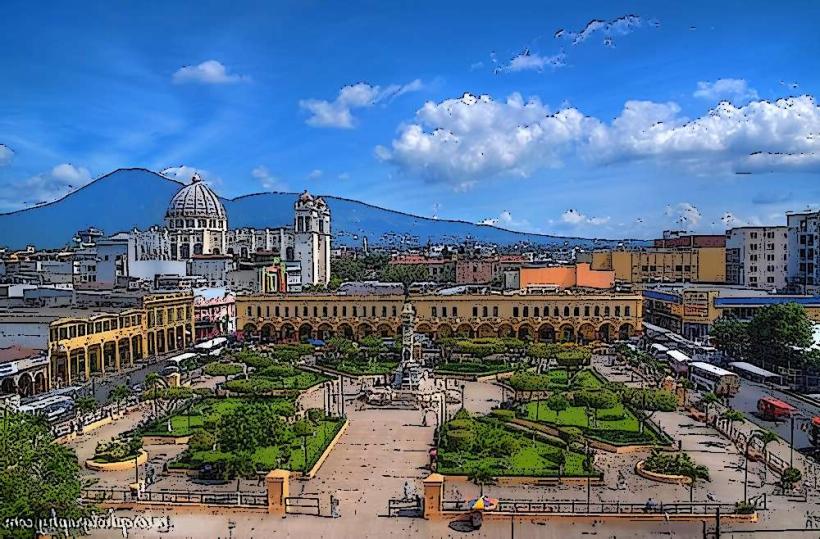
point(311, 229)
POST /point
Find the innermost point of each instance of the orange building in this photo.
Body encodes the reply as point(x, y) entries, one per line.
point(579, 275)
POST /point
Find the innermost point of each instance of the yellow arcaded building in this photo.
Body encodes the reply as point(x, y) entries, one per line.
point(538, 317)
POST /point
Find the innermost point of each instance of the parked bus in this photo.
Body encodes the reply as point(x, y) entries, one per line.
point(708, 377)
point(773, 409)
point(52, 407)
point(658, 350)
point(678, 361)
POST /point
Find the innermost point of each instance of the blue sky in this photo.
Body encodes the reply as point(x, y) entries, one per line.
point(612, 132)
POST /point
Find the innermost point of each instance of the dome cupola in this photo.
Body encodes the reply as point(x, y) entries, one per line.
point(195, 200)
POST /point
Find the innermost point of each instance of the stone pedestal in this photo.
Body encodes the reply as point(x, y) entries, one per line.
point(277, 483)
point(433, 493)
point(173, 380)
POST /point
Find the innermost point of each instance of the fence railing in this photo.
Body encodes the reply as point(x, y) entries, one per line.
point(400, 507)
point(176, 497)
point(302, 505)
point(597, 508)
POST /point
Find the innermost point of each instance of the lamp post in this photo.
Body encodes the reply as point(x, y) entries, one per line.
point(462, 395)
point(746, 466)
point(589, 469)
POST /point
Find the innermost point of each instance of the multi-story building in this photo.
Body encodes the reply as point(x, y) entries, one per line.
point(691, 309)
point(439, 270)
point(214, 315)
point(486, 269)
point(803, 271)
point(102, 333)
point(757, 256)
point(547, 318)
point(664, 265)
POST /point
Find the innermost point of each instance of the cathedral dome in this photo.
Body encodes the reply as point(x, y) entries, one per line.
point(196, 200)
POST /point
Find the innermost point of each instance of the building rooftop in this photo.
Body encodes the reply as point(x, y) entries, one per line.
point(15, 353)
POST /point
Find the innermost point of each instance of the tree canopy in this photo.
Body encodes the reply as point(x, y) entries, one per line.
point(36, 474)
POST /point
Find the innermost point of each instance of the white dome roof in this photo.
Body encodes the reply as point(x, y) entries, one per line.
point(196, 200)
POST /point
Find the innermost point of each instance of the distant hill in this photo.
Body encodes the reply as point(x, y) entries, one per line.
point(129, 198)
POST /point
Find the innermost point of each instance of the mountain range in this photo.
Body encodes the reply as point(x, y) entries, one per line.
point(137, 198)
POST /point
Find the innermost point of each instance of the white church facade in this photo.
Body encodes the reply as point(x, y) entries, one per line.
point(196, 225)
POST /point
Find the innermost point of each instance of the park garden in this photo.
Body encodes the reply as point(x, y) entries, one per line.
point(369, 356)
point(481, 356)
point(241, 437)
point(489, 446)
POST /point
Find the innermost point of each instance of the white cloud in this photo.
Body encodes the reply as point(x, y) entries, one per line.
point(684, 214)
point(6, 155)
point(184, 173)
point(505, 220)
point(45, 187)
point(461, 141)
point(208, 72)
point(344, 176)
point(338, 113)
point(269, 181)
point(620, 26)
point(575, 217)
point(532, 61)
point(315, 174)
point(735, 90)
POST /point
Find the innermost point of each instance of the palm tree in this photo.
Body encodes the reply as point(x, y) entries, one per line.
point(694, 472)
point(732, 416)
point(766, 437)
point(481, 474)
point(708, 400)
point(152, 382)
point(119, 394)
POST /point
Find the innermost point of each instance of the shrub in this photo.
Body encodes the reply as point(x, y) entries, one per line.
point(222, 369)
point(504, 415)
point(276, 371)
point(504, 446)
point(459, 440)
point(251, 385)
point(744, 508)
point(790, 477)
point(650, 399)
point(671, 464)
point(457, 424)
point(201, 440)
point(526, 381)
point(315, 414)
point(252, 359)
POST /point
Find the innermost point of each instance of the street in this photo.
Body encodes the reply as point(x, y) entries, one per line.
point(746, 401)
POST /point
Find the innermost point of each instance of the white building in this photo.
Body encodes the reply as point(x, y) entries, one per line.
point(196, 226)
point(803, 272)
point(757, 256)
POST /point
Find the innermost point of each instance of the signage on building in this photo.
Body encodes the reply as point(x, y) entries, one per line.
point(696, 305)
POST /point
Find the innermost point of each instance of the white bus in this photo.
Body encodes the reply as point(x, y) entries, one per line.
point(709, 377)
point(678, 361)
point(52, 407)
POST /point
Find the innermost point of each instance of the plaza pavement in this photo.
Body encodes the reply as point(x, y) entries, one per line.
point(383, 449)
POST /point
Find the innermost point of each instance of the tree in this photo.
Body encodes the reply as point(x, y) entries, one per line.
point(36, 474)
point(732, 416)
point(86, 404)
point(119, 394)
point(406, 274)
point(766, 437)
point(557, 403)
point(778, 334)
point(597, 399)
point(708, 399)
point(481, 473)
point(152, 381)
point(694, 472)
point(731, 336)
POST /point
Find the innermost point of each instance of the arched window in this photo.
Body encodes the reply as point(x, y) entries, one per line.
point(576, 311)
point(566, 310)
point(289, 253)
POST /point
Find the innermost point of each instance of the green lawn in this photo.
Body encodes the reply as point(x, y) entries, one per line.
point(206, 410)
point(576, 416)
point(617, 425)
point(468, 441)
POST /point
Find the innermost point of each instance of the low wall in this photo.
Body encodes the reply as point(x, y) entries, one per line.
point(662, 478)
point(141, 459)
point(532, 480)
point(165, 440)
point(327, 450)
point(604, 517)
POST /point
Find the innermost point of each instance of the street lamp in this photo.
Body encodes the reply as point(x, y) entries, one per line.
point(462, 395)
